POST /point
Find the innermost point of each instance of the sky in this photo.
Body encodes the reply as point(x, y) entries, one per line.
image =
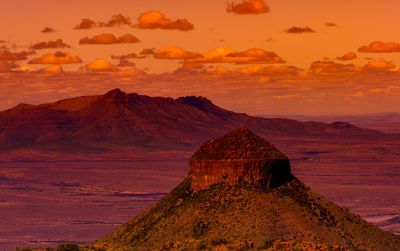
point(310, 57)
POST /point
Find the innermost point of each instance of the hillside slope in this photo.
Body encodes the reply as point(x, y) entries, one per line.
point(239, 188)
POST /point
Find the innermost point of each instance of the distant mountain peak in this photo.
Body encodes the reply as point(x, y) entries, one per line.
point(196, 101)
point(240, 155)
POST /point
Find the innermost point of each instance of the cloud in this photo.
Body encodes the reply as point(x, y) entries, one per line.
point(378, 47)
point(248, 7)
point(149, 51)
point(7, 66)
point(295, 29)
point(86, 23)
point(48, 30)
point(347, 56)
point(157, 20)
point(6, 55)
point(54, 69)
point(59, 43)
point(125, 56)
point(379, 65)
point(109, 39)
point(358, 94)
point(125, 62)
point(228, 55)
point(173, 52)
point(100, 65)
point(56, 58)
point(327, 67)
point(115, 21)
point(331, 25)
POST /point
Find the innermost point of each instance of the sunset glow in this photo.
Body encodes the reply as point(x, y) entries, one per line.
point(259, 57)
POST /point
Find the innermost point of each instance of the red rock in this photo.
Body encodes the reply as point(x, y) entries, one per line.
point(239, 156)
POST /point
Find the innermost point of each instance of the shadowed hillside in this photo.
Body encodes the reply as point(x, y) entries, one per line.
point(238, 204)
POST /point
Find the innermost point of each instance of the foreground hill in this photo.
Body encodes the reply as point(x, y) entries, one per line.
point(239, 190)
point(116, 119)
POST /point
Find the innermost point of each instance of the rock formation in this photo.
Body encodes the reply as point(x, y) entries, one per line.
point(239, 190)
point(239, 156)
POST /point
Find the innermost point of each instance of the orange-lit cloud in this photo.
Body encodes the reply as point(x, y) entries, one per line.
point(109, 39)
point(348, 56)
point(248, 7)
point(378, 46)
point(56, 58)
point(173, 52)
point(100, 65)
point(295, 29)
point(228, 55)
point(86, 23)
point(379, 65)
point(330, 67)
point(331, 25)
point(48, 30)
point(6, 55)
point(157, 20)
point(59, 43)
point(53, 69)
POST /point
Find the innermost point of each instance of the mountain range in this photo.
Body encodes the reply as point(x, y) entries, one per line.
point(103, 122)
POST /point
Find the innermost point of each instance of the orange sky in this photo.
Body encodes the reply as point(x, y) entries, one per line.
point(245, 59)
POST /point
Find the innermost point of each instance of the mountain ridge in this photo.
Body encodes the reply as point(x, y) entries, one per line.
point(116, 118)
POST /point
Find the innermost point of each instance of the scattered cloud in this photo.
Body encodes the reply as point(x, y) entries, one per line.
point(348, 56)
point(157, 20)
point(173, 52)
point(86, 23)
point(125, 62)
point(228, 55)
point(100, 65)
point(248, 7)
point(378, 47)
point(109, 39)
point(296, 29)
point(331, 25)
point(56, 58)
point(115, 21)
point(48, 30)
point(125, 56)
point(327, 67)
point(59, 43)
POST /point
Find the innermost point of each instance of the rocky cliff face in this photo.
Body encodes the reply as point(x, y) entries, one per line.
point(239, 156)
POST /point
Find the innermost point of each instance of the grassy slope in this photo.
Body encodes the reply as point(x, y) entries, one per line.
point(246, 213)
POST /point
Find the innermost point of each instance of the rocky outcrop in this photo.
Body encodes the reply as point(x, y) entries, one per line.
point(239, 156)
